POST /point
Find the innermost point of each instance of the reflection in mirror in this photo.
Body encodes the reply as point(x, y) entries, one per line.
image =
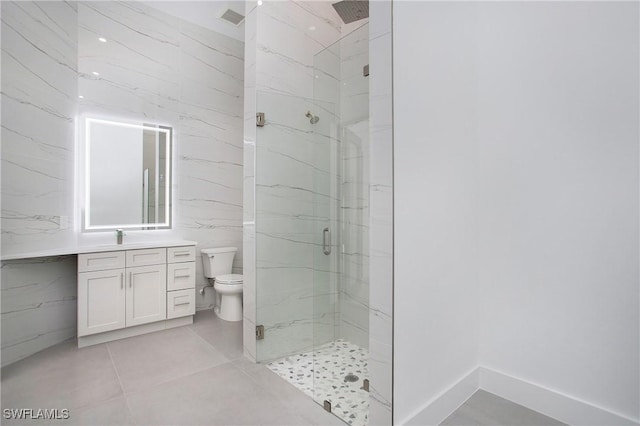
point(127, 175)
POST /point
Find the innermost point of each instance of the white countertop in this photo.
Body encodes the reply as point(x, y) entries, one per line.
point(78, 249)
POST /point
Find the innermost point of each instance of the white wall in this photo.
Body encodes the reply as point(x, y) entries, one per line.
point(435, 284)
point(558, 197)
point(516, 200)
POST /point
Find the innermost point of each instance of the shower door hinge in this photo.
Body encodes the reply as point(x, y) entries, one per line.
point(259, 332)
point(365, 385)
point(365, 70)
point(327, 405)
point(260, 119)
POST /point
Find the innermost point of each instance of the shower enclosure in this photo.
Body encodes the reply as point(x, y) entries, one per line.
point(312, 210)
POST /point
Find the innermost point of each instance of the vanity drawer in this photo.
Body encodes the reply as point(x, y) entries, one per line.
point(181, 275)
point(181, 303)
point(156, 256)
point(181, 254)
point(101, 261)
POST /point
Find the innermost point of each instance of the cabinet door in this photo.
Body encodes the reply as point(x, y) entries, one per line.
point(146, 294)
point(101, 301)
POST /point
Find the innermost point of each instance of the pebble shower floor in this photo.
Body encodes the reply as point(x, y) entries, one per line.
point(331, 363)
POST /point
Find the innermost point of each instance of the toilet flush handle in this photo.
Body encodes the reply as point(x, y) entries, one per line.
point(326, 241)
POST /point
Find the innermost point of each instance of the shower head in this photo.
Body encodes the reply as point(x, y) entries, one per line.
point(352, 10)
point(313, 119)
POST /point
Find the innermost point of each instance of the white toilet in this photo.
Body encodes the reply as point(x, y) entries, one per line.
point(217, 263)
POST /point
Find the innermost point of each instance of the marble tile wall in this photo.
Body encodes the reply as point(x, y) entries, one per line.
point(354, 187)
point(154, 67)
point(39, 104)
point(39, 97)
point(38, 304)
point(381, 215)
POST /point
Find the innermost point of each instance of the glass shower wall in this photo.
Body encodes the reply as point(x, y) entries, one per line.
point(295, 196)
point(312, 212)
point(354, 187)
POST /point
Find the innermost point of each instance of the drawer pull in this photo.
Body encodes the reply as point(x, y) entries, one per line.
point(182, 253)
point(182, 276)
point(183, 303)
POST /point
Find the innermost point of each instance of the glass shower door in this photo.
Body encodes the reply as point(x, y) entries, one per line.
point(311, 195)
point(291, 171)
point(341, 282)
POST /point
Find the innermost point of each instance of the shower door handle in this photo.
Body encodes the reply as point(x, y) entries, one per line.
point(326, 241)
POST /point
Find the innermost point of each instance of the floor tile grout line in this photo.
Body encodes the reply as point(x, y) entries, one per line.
point(267, 389)
point(124, 395)
point(164, 382)
point(211, 346)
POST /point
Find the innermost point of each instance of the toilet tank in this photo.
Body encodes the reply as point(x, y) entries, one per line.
point(217, 261)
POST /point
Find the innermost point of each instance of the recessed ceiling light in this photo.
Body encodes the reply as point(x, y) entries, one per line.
point(81, 97)
point(102, 39)
point(95, 73)
point(259, 2)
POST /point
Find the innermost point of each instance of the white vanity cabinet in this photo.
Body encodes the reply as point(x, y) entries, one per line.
point(181, 281)
point(130, 292)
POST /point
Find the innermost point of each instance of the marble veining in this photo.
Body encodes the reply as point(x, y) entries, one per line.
point(381, 216)
point(38, 304)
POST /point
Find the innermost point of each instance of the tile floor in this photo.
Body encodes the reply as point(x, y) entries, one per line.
point(486, 409)
point(321, 375)
point(193, 375)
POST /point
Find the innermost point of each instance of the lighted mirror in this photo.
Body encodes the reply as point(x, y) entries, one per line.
point(127, 175)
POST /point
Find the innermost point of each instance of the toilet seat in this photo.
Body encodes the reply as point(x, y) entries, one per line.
point(229, 279)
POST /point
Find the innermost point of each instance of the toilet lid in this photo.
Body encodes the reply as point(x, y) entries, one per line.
point(229, 279)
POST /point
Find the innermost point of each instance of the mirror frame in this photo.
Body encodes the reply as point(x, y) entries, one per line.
point(84, 174)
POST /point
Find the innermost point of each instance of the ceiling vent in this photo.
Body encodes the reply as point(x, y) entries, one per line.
point(232, 16)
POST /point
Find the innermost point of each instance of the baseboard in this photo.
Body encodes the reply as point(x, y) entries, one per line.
point(548, 402)
point(440, 407)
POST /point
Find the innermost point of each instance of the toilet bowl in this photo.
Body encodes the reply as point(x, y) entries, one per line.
point(229, 294)
point(217, 264)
